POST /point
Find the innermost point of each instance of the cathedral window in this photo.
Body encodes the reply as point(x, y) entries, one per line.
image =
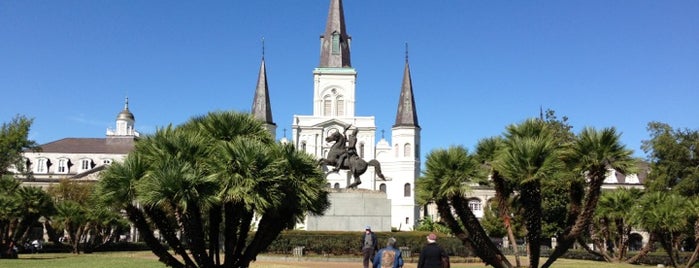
point(340, 106)
point(327, 106)
point(395, 148)
point(406, 150)
point(328, 185)
point(382, 187)
point(303, 146)
point(406, 190)
point(361, 149)
point(337, 185)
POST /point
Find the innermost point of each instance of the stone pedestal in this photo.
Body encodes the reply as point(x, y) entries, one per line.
point(353, 210)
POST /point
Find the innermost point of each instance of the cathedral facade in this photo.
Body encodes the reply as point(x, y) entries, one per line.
point(334, 99)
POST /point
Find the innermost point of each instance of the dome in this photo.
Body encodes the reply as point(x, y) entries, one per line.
point(125, 115)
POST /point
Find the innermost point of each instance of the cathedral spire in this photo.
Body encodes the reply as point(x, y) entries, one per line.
point(335, 43)
point(261, 108)
point(407, 114)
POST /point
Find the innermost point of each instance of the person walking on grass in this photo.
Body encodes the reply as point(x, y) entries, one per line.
point(432, 255)
point(369, 246)
point(389, 257)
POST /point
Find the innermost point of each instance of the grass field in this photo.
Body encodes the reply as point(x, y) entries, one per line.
point(146, 259)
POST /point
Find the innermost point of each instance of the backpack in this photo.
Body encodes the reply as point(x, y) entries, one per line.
point(388, 257)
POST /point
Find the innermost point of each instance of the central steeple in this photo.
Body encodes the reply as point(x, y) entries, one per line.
point(335, 43)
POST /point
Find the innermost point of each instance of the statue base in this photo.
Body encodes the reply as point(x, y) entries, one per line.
point(353, 210)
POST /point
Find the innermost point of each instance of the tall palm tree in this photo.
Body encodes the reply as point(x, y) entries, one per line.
point(593, 153)
point(486, 153)
point(446, 181)
point(530, 155)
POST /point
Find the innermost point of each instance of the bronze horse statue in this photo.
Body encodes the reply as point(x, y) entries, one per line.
point(355, 164)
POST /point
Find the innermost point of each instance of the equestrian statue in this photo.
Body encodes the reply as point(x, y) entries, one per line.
point(343, 155)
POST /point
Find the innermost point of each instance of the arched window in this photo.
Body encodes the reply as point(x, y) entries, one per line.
point(382, 187)
point(327, 105)
point(340, 109)
point(406, 190)
point(406, 150)
point(337, 185)
point(395, 148)
point(328, 185)
point(361, 149)
point(475, 204)
point(303, 146)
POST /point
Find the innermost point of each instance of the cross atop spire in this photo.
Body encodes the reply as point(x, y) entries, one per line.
point(335, 43)
point(406, 115)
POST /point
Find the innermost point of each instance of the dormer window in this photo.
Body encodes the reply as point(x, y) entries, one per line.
point(62, 165)
point(85, 164)
point(41, 166)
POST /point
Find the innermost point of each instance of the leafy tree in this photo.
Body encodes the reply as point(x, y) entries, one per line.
point(446, 181)
point(14, 139)
point(674, 158)
point(210, 179)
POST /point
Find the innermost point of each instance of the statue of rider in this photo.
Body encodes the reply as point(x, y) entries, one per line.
point(351, 149)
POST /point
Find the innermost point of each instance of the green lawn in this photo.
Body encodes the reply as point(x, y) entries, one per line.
point(146, 259)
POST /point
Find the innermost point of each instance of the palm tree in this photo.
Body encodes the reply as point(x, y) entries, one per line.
point(446, 182)
point(613, 215)
point(486, 153)
point(664, 215)
point(593, 153)
point(530, 154)
point(693, 207)
point(117, 188)
point(33, 203)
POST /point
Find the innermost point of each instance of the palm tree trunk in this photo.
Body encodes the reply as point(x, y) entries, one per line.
point(195, 234)
point(230, 231)
point(136, 216)
point(214, 232)
point(167, 231)
point(531, 197)
point(486, 249)
point(502, 195)
point(667, 245)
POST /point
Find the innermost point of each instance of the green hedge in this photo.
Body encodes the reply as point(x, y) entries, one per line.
point(349, 243)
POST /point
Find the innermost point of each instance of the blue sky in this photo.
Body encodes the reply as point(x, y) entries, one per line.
point(477, 66)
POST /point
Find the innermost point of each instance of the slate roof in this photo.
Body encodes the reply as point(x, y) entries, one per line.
point(116, 145)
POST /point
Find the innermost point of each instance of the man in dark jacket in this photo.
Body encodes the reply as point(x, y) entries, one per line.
point(431, 255)
point(369, 246)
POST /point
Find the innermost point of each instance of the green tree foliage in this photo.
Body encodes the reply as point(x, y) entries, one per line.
point(213, 179)
point(674, 159)
point(446, 181)
point(87, 223)
point(612, 223)
point(14, 139)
